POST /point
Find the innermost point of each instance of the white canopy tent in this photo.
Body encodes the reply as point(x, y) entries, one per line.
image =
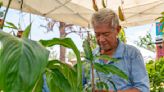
point(137, 12)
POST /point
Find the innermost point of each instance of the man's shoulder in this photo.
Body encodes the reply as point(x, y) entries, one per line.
point(132, 50)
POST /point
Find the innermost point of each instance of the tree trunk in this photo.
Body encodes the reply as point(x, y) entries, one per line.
point(62, 35)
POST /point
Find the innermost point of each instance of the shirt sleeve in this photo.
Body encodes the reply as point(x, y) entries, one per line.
point(139, 76)
point(45, 86)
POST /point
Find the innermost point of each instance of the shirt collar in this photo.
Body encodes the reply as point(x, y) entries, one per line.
point(118, 53)
point(120, 50)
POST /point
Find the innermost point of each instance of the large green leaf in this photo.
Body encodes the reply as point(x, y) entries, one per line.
point(38, 85)
point(106, 57)
point(27, 31)
point(107, 68)
point(57, 82)
point(67, 42)
point(22, 62)
point(69, 74)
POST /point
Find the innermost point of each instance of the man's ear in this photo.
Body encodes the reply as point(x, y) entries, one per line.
point(118, 29)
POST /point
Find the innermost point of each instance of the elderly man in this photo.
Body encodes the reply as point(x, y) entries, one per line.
point(106, 27)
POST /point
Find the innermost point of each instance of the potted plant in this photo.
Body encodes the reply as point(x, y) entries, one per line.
point(1, 14)
point(156, 74)
point(20, 31)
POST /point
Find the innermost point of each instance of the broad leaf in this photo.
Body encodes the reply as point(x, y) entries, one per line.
point(27, 31)
point(67, 42)
point(22, 62)
point(107, 68)
point(39, 85)
point(67, 71)
point(57, 82)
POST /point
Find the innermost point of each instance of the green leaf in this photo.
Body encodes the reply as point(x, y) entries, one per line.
point(22, 62)
point(87, 50)
point(107, 68)
point(67, 42)
point(162, 20)
point(39, 85)
point(106, 57)
point(114, 86)
point(67, 71)
point(11, 25)
point(159, 18)
point(100, 68)
point(27, 31)
point(102, 85)
point(57, 82)
point(162, 29)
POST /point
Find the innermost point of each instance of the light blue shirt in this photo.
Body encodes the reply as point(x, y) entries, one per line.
point(45, 86)
point(132, 63)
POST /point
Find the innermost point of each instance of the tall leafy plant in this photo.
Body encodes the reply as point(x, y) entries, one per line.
point(74, 74)
point(156, 75)
point(146, 41)
point(103, 68)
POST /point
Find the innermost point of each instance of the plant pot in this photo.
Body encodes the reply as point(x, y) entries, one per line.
point(1, 22)
point(19, 33)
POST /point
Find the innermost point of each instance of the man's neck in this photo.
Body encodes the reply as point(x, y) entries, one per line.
point(108, 52)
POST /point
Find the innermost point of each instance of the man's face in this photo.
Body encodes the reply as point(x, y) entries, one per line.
point(106, 37)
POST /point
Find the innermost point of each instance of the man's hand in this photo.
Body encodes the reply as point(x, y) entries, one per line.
point(128, 90)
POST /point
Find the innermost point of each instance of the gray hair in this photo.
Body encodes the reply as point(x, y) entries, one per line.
point(105, 16)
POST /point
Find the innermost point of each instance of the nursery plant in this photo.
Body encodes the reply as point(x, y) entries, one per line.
point(156, 74)
point(97, 67)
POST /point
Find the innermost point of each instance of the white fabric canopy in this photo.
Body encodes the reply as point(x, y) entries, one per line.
point(137, 12)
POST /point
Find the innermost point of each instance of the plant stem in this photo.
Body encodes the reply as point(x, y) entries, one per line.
point(93, 84)
point(6, 13)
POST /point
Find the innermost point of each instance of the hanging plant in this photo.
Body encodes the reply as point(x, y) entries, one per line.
point(103, 3)
point(95, 7)
point(20, 33)
point(161, 20)
point(121, 14)
point(1, 15)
